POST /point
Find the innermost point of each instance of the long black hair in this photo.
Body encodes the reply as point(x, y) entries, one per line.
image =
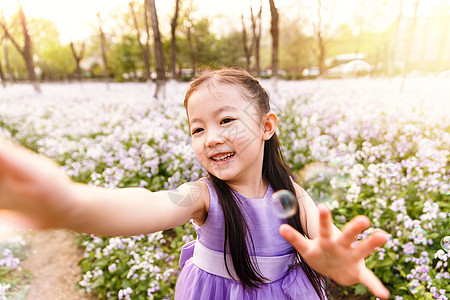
point(274, 169)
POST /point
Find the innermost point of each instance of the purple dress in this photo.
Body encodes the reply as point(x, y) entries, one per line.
point(203, 275)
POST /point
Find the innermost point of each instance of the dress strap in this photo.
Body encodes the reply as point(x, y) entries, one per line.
point(272, 268)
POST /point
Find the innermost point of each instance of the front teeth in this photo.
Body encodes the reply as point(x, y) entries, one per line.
point(222, 158)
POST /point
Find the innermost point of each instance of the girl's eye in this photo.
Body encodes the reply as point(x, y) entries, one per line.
point(197, 130)
point(226, 120)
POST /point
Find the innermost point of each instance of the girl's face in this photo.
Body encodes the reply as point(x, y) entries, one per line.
point(227, 132)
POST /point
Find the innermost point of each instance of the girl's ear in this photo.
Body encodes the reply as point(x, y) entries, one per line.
point(270, 125)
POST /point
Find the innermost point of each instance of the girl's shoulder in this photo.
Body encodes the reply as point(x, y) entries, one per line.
point(200, 195)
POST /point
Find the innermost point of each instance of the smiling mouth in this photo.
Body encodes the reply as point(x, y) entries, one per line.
point(221, 157)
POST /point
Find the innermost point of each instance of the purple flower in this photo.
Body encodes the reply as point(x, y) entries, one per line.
point(409, 248)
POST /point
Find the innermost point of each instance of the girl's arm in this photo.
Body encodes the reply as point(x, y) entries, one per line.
point(131, 211)
point(36, 188)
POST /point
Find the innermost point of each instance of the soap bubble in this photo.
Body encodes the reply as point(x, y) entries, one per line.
point(445, 189)
point(321, 146)
point(342, 159)
point(427, 147)
point(325, 141)
point(392, 169)
point(445, 243)
point(419, 235)
point(284, 204)
point(413, 286)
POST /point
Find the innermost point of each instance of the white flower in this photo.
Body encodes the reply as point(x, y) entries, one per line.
point(112, 268)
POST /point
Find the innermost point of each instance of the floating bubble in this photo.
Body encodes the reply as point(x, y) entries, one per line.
point(445, 189)
point(284, 204)
point(342, 159)
point(324, 141)
point(322, 144)
point(427, 147)
point(445, 243)
point(313, 171)
point(413, 286)
point(419, 235)
point(392, 169)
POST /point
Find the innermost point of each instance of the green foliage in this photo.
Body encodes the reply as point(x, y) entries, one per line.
point(125, 58)
point(12, 276)
point(56, 62)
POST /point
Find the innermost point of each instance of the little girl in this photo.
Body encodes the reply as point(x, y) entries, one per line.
point(243, 250)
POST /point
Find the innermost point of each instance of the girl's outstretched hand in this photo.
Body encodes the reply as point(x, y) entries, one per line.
point(335, 255)
point(33, 188)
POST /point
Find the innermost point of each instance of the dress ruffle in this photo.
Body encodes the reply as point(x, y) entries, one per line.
point(195, 283)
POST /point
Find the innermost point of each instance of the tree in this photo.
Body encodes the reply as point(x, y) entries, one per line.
point(409, 44)
point(2, 75)
point(247, 49)
point(256, 30)
point(192, 50)
point(125, 58)
point(145, 48)
point(9, 73)
point(191, 41)
point(103, 49)
point(274, 32)
point(173, 27)
point(159, 56)
point(26, 51)
point(320, 39)
point(56, 62)
point(296, 48)
point(78, 57)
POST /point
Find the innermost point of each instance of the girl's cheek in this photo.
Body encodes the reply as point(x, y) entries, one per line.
point(198, 149)
point(241, 136)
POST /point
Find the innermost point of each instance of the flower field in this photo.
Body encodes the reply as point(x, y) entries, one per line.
point(359, 145)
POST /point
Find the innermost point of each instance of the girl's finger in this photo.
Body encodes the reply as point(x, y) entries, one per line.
point(294, 237)
point(374, 284)
point(351, 230)
point(325, 224)
point(368, 245)
point(13, 159)
point(21, 162)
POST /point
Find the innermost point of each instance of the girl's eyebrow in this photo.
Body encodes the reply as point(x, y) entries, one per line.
point(218, 111)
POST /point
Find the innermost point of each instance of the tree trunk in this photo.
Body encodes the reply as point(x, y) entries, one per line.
point(26, 52)
point(144, 48)
point(147, 56)
point(256, 28)
point(103, 48)
point(9, 72)
point(440, 58)
point(2, 75)
point(393, 50)
point(192, 51)
point(159, 56)
point(173, 43)
point(274, 32)
point(320, 41)
point(78, 58)
point(247, 50)
point(409, 45)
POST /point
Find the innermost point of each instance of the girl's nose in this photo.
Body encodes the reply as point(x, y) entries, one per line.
point(214, 137)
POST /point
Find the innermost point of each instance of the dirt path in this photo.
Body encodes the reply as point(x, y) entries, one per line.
point(53, 262)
